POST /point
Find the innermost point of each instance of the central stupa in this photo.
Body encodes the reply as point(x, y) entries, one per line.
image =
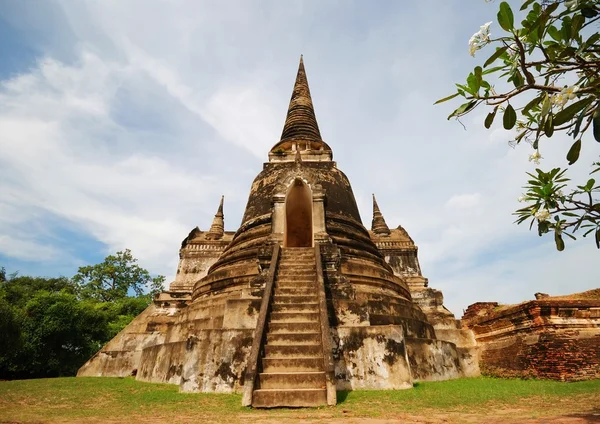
point(302, 300)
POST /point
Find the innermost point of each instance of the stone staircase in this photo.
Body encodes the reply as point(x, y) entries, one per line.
point(292, 372)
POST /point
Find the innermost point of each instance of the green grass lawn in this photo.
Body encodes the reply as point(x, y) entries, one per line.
point(128, 400)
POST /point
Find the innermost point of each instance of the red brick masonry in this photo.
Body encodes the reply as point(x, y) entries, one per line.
point(550, 338)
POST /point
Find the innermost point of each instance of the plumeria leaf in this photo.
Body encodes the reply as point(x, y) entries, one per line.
point(446, 98)
point(549, 126)
point(462, 109)
point(588, 12)
point(578, 122)
point(510, 117)
point(554, 33)
point(596, 125)
point(573, 154)
point(526, 4)
point(533, 103)
point(505, 17)
point(489, 119)
point(598, 238)
point(495, 56)
point(545, 106)
point(560, 244)
point(569, 112)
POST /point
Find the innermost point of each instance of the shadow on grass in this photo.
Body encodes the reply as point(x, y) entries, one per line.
point(341, 396)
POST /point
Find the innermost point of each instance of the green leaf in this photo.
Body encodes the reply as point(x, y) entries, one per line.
point(588, 12)
point(576, 25)
point(489, 119)
point(596, 124)
point(569, 112)
point(494, 69)
point(462, 109)
point(573, 154)
point(560, 244)
point(517, 79)
point(478, 77)
point(598, 238)
point(495, 56)
point(526, 4)
point(593, 39)
point(578, 123)
point(545, 106)
point(533, 103)
point(565, 29)
point(553, 32)
point(505, 17)
point(549, 126)
point(473, 83)
point(590, 184)
point(446, 98)
point(510, 117)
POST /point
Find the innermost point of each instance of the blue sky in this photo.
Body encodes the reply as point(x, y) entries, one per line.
point(123, 122)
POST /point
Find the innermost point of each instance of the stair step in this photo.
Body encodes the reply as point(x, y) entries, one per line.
point(293, 351)
point(290, 272)
point(301, 283)
point(294, 327)
point(293, 338)
point(270, 398)
point(302, 269)
point(294, 299)
point(295, 307)
point(294, 291)
point(292, 380)
point(271, 365)
point(293, 317)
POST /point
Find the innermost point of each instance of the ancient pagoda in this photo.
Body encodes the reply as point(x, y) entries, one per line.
point(302, 300)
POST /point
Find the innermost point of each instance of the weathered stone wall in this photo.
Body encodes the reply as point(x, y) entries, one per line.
point(370, 358)
point(209, 361)
point(554, 339)
point(121, 356)
point(433, 360)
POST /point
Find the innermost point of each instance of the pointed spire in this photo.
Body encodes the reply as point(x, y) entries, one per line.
point(378, 225)
point(301, 123)
point(218, 225)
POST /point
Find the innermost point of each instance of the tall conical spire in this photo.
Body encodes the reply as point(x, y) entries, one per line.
point(301, 123)
point(378, 225)
point(218, 225)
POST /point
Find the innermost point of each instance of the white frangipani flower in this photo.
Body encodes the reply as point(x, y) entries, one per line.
point(560, 193)
point(569, 92)
point(571, 4)
point(566, 94)
point(480, 38)
point(522, 198)
point(542, 215)
point(535, 157)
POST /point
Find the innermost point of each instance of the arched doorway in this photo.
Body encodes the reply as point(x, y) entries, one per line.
point(298, 230)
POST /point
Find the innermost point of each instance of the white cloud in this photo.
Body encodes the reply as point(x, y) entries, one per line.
point(220, 77)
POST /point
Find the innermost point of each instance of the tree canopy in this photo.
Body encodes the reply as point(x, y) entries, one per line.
point(115, 277)
point(543, 78)
point(51, 326)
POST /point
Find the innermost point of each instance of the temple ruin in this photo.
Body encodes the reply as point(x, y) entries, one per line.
point(302, 300)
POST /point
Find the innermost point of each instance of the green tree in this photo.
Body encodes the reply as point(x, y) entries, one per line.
point(547, 71)
point(51, 326)
point(115, 277)
point(59, 334)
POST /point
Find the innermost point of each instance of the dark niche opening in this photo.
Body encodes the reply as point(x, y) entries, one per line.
point(298, 216)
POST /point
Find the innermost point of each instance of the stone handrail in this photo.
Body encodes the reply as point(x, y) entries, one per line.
point(259, 334)
point(325, 333)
